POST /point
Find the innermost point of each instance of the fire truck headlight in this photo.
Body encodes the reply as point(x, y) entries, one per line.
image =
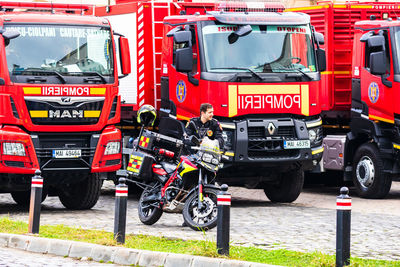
point(112, 148)
point(14, 149)
point(312, 135)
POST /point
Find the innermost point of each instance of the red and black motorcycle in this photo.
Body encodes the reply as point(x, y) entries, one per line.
point(174, 183)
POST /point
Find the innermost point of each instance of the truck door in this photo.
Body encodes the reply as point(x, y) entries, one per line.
point(376, 90)
point(184, 89)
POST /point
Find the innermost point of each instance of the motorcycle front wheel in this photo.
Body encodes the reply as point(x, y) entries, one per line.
point(149, 210)
point(205, 218)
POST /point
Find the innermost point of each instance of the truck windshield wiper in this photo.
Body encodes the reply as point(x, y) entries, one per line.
point(103, 79)
point(248, 69)
point(297, 70)
point(56, 73)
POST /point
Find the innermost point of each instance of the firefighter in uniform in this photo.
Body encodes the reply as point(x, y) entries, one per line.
point(205, 125)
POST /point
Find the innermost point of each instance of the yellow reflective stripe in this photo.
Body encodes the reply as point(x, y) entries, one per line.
point(373, 117)
point(305, 100)
point(230, 154)
point(306, 8)
point(181, 117)
point(97, 91)
point(317, 151)
point(232, 100)
point(396, 146)
point(39, 113)
point(360, 6)
point(32, 90)
point(314, 124)
point(335, 72)
point(91, 113)
point(339, 6)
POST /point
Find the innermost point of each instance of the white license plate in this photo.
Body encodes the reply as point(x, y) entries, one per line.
point(295, 144)
point(66, 153)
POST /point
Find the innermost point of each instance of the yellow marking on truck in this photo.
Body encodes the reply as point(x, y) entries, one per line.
point(361, 6)
point(97, 91)
point(335, 72)
point(317, 151)
point(314, 124)
point(91, 113)
point(305, 101)
point(32, 90)
point(339, 6)
point(373, 117)
point(39, 113)
point(396, 146)
point(306, 8)
point(269, 89)
point(232, 100)
point(181, 117)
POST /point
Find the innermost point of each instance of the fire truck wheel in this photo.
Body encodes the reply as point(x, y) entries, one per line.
point(82, 195)
point(369, 177)
point(287, 189)
point(23, 198)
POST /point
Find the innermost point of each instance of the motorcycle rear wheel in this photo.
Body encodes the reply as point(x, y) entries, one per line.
point(148, 212)
point(206, 218)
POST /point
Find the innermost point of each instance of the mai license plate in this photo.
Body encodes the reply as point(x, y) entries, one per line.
point(67, 153)
point(295, 144)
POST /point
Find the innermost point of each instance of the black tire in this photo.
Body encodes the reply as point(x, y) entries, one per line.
point(369, 178)
point(288, 187)
point(82, 195)
point(210, 210)
point(23, 198)
point(148, 212)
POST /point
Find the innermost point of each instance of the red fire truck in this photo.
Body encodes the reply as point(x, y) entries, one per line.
point(59, 101)
point(259, 68)
point(359, 92)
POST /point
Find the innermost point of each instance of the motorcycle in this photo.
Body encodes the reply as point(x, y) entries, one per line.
point(173, 183)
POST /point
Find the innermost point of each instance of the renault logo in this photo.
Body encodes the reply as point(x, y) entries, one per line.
point(271, 128)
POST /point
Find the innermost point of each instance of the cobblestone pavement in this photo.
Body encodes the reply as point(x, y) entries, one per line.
point(308, 224)
point(18, 258)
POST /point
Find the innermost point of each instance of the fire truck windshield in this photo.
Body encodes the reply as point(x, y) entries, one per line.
point(60, 50)
point(266, 49)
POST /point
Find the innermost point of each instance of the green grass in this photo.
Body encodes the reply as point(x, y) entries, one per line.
point(200, 248)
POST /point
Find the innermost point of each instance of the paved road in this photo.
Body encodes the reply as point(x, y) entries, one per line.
point(17, 258)
point(308, 224)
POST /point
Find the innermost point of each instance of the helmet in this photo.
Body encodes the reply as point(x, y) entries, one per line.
point(146, 115)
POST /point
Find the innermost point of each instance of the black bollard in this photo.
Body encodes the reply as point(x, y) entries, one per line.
point(343, 222)
point(35, 203)
point(121, 199)
point(224, 205)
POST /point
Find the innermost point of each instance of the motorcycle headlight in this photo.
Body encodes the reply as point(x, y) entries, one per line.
point(215, 161)
point(112, 148)
point(228, 139)
point(14, 149)
point(207, 157)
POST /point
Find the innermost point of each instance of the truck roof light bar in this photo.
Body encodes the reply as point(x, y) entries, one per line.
point(43, 6)
point(250, 7)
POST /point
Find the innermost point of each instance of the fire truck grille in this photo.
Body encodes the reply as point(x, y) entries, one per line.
point(48, 144)
point(45, 112)
point(261, 145)
point(260, 132)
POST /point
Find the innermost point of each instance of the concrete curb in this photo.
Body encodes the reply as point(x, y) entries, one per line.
point(117, 255)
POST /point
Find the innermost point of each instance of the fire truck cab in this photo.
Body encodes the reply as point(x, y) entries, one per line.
point(58, 101)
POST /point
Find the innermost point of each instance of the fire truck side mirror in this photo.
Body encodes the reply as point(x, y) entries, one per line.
point(10, 34)
point(377, 63)
point(321, 59)
point(319, 38)
point(125, 56)
point(184, 55)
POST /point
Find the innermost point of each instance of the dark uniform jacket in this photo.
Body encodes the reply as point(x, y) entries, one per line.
point(211, 128)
